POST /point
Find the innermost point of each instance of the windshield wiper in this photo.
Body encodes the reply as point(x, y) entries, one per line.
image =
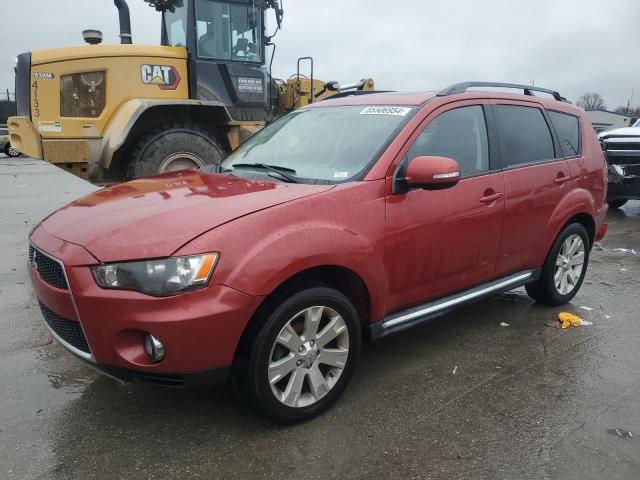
point(274, 168)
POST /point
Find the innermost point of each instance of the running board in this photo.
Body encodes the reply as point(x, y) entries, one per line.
point(422, 313)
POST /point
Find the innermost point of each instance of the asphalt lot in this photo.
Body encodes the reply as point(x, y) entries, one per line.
point(462, 397)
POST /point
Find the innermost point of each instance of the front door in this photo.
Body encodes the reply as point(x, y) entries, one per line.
point(443, 241)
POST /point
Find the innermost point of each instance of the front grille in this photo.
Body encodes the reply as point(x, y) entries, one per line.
point(68, 330)
point(622, 146)
point(82, 94)
point(50, 270)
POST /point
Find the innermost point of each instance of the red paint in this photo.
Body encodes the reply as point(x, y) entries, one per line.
point(176, 80)
point(602, 231)
point(424, 171)
point(407, 248)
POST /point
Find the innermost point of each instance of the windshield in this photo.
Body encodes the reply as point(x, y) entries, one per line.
point(325, 144)
point(228, 31)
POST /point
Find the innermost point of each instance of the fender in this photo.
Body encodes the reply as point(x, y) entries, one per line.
point(321, 238)
point(578, 201)
point(309, 244)
point(280, 242)
point(129, 113)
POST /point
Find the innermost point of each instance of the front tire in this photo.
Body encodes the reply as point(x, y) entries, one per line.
point(304, 355)
point(564, 269)
point(9, 151)
point(172, 148)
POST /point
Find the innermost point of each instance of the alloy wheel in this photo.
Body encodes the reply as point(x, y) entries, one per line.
point(308, 356)
point(180, 161)
point(569, 264)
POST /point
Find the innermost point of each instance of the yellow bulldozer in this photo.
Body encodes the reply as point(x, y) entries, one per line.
point(110, 113)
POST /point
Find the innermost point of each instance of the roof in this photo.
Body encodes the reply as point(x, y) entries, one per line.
point(382, 98)
point(419, 98)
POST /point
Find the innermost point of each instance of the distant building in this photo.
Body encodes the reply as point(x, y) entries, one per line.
point(605, 120)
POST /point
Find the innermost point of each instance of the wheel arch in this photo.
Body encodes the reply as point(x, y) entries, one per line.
point(581, 217)
point(587, 222)
point(137, 117)
point(339, 277)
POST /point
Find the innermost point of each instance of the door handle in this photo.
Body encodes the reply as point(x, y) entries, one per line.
point(562, 178)
point(491, 198)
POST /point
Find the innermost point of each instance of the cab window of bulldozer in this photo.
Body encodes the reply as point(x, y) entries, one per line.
point(228, 31)
point(175, 25)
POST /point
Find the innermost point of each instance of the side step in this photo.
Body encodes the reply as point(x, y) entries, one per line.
point(422, 313)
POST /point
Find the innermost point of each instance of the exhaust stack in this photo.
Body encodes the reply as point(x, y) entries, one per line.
point(125, 21)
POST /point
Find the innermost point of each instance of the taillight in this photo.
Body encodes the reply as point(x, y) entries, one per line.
point(82, 94)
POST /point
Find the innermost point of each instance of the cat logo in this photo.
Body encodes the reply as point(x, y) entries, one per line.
point(165, 76)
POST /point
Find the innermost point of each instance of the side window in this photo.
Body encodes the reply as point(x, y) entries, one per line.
point(524, 135)
point(568, 130)
point(228, 31)
point(460, 134)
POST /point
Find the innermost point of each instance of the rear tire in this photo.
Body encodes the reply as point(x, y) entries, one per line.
point(9, 151)
point(303, 355)
point(172, 148)
point(564, 269)
point(617, 203)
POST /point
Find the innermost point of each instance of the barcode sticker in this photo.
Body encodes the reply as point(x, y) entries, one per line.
point(386, 110)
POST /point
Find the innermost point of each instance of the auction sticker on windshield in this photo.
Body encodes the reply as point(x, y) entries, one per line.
point(386, 110)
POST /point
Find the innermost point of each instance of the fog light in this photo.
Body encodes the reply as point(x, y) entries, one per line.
point(154, 348)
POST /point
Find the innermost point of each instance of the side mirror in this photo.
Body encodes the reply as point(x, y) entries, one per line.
point(432, 173)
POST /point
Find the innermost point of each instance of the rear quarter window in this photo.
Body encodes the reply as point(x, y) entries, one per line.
point(568, 130)
point(524, 135)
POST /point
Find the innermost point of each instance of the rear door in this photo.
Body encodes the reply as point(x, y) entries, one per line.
point(569, 134)
point(443, 241)
point(536, 178)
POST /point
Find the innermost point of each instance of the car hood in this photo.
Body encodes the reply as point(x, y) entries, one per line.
point(154, 217)
point(621, 132)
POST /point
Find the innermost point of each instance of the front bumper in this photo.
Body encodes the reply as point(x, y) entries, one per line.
point(624, 182)
point(623, 159)
point(200, 330)
point(24, 137)
point(79, 156)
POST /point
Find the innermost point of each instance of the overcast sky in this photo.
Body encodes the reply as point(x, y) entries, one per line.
point(573, 46)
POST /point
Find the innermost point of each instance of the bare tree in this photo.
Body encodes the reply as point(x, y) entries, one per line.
point(591, 101)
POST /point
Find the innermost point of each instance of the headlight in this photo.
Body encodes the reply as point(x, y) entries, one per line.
point(167, 276)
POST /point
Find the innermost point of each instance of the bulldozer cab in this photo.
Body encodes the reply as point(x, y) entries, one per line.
point(223, 31)
point(226, 43)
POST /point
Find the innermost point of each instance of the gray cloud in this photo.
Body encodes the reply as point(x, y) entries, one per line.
point(569, 45)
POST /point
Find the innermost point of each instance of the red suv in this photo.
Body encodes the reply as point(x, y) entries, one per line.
point(360, 215)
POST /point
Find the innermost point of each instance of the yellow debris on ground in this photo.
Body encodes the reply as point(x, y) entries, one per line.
point(567, 320)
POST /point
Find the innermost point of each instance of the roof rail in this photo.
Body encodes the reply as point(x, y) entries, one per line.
point(528, 89)
point(355, 92)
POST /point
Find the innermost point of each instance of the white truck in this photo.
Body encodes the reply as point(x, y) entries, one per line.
point(622, 149)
